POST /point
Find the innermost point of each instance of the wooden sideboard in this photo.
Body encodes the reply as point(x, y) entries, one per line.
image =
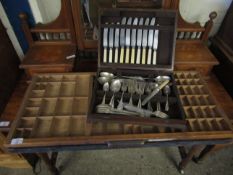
point(51, 43)
point(52, 47)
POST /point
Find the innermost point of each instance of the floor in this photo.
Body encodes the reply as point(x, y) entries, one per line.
point(156, 161)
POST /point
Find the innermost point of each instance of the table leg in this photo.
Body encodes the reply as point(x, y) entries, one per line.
point(49, 163)
point(54, 158)
point(184, 162)
point(182, 151)
point(209, 149)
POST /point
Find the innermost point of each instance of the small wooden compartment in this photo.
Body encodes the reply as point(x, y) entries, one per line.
point(80, 106)
point(48, 107)
point(52, 89)
point(202, 112)
point(54, 106)
point(120, 64)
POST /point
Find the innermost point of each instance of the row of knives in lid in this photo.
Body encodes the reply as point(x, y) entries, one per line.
point(136, 45)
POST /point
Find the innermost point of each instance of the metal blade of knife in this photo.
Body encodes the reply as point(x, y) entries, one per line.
point(116, 39)
point(111, 37)
point(139, 36)
point(151, 33)
point(127, 37)
point(133, 35)
point(150, 40)
point(116, 43)
point(127, 40)
point(105, 44)
point(139, 42)
point(122, 40)
point(145, 33)
point(105, 37)
point(155, 42)
point(122, 32)
point(155, 47)
point(110, 43)
point(133, 41)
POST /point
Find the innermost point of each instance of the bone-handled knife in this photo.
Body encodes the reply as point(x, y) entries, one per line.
point(155, 47)
point(144, 41)
point(105, 44)
point(139, 42)
point(110, 44)
point(116, 44)
point(133, 41)
point(122, 40)
point(127, 41)
point(154, 92)
point(150, 40)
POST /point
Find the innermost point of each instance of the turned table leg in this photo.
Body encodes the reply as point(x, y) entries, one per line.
point(188, 157)
point(54, 158)
point(50, 163)
point(182, 152)
point(209, 149)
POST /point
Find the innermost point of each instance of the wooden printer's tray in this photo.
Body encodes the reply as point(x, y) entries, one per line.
point(52, 106)
point(39, 126)
point(201, 109)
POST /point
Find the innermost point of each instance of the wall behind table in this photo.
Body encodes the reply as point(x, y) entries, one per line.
point(191, 10)
point(199, 10)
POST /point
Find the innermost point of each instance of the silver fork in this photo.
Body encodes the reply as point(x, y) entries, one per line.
point(131, 89)
point(148, 89)
point(158, 106)
point(140, 87)
point(123, 89)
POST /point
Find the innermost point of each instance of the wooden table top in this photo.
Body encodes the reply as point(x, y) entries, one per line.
point(52, 121)
point(47, 55)
point(196, 52)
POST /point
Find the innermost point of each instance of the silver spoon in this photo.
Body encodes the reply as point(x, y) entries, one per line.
point(105, 89)
point(162, 78)
point(167, 91)
point(107, 74)
point(103, 80)
point(115, 87)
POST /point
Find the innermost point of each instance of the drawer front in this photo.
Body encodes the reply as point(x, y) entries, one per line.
point(32, 71)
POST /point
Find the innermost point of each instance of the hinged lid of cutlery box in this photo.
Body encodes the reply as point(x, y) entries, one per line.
point(137, 39)
point(136, 51)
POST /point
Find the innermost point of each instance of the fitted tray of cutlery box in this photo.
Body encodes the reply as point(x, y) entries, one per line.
point(174, 115)
point(136, 47)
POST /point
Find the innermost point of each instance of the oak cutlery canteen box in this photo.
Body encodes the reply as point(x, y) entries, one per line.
point(136, 60)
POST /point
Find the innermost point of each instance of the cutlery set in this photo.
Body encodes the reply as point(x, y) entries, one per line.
point(136, 42)
point(134, 82)
point(132, 95)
